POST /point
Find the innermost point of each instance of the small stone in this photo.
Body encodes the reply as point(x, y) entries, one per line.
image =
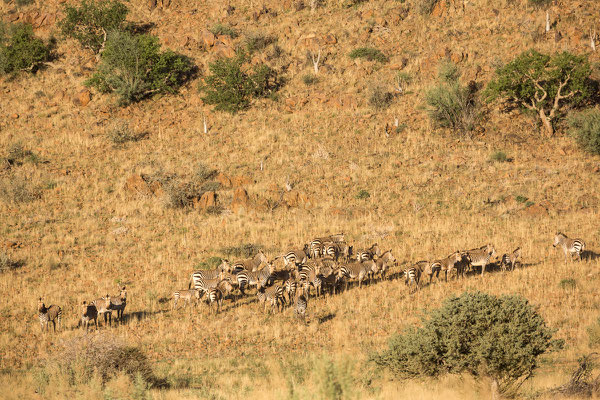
point(84, 97)
point(15, 116)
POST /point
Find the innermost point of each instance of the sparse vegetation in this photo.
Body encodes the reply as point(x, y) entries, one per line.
point(363, 194)
point(134, 68)
point(18, 154)
point(451, 104)
point(226, 30)
point(119, 133)
point(369, 53)
point(258, 41)
point(568, 283)
point(310, 79)
point(426, 7)
point(91, 22)
point(380, 98)
point(499, 156)
point(585, 128)
point(499, 337)
point(18, 189)
point(542, 84)
point(7, 263)
point(21, 50)
point(243, 250)
point(230, 87)
point(594, 333)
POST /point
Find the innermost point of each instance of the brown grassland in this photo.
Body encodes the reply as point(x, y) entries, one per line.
point(82, 234)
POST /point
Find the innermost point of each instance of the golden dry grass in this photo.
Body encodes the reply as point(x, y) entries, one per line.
point(428, 194)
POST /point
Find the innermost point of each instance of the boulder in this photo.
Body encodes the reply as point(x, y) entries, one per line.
point(223, 51)
point(208, 199)
point(207, 39)
point(241, 200)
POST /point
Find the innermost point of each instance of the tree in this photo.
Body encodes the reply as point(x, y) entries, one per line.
point(542, 84)
point(21, 50)
point(477, 333)
point(134, 67)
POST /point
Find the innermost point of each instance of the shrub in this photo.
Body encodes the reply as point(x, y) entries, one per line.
point(134, 67)
point(258, 41)
point(499, 156)
point(477, 333)
point(542, 84)
point(568, 283)
point(120, 133)
point(220, 29)
point(243, 250)
point(7, 263)
point(426, 6)
point(104, 354)
point(521, 199)
point(20, 50)
point(380, 98)
point(92, 21)
point(19, 190)
point(585, 128)
point(369, 53)
point(17, 155)
point(310, 79)
point(594, 333)
point(363, 194)
point(450, 104)
point(231, 86)
point(22, 3)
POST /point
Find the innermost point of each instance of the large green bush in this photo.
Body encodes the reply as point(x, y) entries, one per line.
point(542, 84)
point(450, 104)
point(232, 83)
point(477, 333)
point(369, 53)
point(585, 128)
point(134, 68)
point(92, 21)
point(20, 50)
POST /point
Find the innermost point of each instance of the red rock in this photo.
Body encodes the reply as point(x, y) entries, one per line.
point(224, 51)
point(241, 200)
point(208, 199)
point(224, 180)
point(329, 39)
point(83, 97)
point(207, 39)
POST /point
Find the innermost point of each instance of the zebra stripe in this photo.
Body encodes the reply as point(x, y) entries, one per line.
point(89, 313)
point(187, 296)
point(273, 295)
point(49, 314)
point(214, 295)
point(569, 246)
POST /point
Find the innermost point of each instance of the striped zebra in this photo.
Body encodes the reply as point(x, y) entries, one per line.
point(358, 270)
point(295, 257)
point(49, 314)
point(510, 259)
point(331, 250)
point(214, 296)
point(118, 303)
point(187, 296)
point(413, 274)
point(250, 264)
point(103, 306)
point(291, 287)
point(246, 279)
point(448, 264)
point(273, 295)
point(203, 279)
point(569, 246)
point(301, 306)
point(368, 254)
point(481, 257)
point(89, 313)
point(315, 247)
point(330, 282)
point(226, 287)
point(384, 262)
point(309, 276)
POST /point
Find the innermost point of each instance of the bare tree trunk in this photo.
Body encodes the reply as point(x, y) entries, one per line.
point(547, 128)
point(495, 391)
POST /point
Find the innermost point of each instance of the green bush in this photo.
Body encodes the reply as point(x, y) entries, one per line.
point(369, 53)
point(92, 21)
point(568, 283)
point(220, 30)
point(542, 84)
point(258, 41)
point(450, 104)
point(477, 333)
point(20, 50)
point(134, 68)
point(363, 194)
point(231, 85)
point(585, 128)
point(499, 156)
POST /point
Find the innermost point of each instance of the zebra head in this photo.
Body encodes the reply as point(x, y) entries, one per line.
point(558, 238)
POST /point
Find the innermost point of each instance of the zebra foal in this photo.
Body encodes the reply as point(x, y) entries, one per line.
point(569, 246)
point(49, 314)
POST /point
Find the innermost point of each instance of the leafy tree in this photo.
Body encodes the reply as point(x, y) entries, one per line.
point(232, 84)
point(477, 333)
point(542, 84)
point(134, 67)
point(91, 22)
point(20, 50)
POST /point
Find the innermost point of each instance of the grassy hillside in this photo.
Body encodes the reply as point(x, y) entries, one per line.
point(75, 230)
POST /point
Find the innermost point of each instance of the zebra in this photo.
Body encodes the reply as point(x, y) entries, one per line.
point(250, 264)
point(413, 274)
point(291, 287)
point(315, 247)
point(509, 260)
point(273, 295)
point(358, 270)
point(309, 276)
point(295, 257)
point(569, 246)
point(103, 307)
point(384, 262)
point(89, 313)
point(203, 279)
point(214, 295)
point(368, 254)
point(481, 256)
point(187, 296)
point(226, 287)
point(118, 303)
point(301, 305)
point(49, 314)
point(331, 250)
point(330, 281)
point(448, 264)
point(246, 279)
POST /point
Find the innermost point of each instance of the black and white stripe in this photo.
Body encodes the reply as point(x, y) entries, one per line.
point(103, 306)
point(569, 246)
point(187, 295)
point(49, 314)
point(89, 313)
point(214, 296)
point(368, 254)
point(481, 257)
point(509, 260)
point(273, 295)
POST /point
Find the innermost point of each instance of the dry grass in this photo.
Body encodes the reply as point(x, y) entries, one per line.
point(429, 195)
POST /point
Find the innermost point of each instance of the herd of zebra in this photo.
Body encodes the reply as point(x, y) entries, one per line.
point(324, 264)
